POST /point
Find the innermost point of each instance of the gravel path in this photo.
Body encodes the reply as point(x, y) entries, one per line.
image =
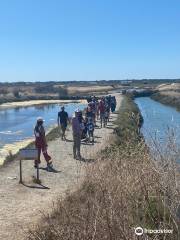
point(22, 206)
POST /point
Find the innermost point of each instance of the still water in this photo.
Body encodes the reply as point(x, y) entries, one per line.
point(160, 121)
point(16, 124)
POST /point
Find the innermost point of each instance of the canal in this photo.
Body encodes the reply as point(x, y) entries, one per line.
point(161, 125)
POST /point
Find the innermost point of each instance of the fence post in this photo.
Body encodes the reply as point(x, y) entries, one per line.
point(20, 167)
point(38, 173)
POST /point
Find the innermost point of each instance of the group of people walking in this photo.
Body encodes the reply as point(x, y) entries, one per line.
point(83, 126)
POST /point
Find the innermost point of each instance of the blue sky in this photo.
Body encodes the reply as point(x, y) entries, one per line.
point(42, 40)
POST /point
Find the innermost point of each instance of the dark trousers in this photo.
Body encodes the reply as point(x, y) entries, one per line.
point(63, 129)
point(76, 145)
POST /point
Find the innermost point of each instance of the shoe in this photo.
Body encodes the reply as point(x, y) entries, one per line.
point(36, 166)
point(79, 158)
point(50, 167)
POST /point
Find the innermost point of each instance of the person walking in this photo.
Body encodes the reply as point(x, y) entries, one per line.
point(97, 110)
point(41, 144)
point(106, 115)
point(92, 106)
point(102, 111)
point(63, 121)
point(113, 104)
point(77, 132)
point(90, 129)
point(89, 113)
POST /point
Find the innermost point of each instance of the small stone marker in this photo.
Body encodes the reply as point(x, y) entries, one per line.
point(28, 154)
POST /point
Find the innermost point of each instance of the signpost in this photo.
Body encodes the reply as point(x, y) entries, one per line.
point(28, 154)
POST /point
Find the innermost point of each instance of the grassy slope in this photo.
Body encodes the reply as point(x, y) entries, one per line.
point(121, 191)
point(170, 100)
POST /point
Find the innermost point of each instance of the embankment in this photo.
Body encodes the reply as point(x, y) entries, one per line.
point(172, 99)
point(123, 190)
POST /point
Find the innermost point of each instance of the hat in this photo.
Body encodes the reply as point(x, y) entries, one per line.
point(40, 119)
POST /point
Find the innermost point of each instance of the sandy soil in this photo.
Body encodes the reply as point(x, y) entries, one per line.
point(170, 93)
point(36, 102)
point(22, 205)
point(169, 87)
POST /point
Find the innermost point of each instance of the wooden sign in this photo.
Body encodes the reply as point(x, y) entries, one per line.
point(28, 154)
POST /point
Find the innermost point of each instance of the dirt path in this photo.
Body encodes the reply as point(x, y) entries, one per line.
point(21, 206)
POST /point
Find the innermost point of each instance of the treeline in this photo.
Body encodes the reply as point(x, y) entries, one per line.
point(95, 82)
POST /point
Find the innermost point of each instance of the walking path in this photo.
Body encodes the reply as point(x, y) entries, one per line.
point(22, 206)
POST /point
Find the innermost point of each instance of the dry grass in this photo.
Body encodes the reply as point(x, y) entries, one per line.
point(169, 87)
point(168, 98)
point(86, 89)
point(119, 194)
point(168, 94)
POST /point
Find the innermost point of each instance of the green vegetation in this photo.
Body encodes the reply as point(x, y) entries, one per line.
point(121, 191)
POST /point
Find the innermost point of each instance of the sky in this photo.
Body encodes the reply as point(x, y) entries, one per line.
point(61, 40)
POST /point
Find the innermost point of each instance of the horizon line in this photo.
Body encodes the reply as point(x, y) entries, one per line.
point(101, 80)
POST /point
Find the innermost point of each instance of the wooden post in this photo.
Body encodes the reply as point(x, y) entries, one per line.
point(38, 173)
point(20, 167)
